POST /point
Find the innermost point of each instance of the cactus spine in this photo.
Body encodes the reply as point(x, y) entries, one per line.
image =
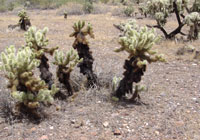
point(37, 41)
point(81, 44)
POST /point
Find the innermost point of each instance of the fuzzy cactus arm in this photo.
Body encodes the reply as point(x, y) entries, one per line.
point(70, 59)
point(138, 43)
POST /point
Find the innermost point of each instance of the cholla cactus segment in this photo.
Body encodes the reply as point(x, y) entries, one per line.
point(138, 43)
point(80, 32)
point(36, 39)
point(115, 83)
point(128, 25)
point(192, 18)
point(71, 58)
point(23, 14)
point(196, 6)
point(14, 64)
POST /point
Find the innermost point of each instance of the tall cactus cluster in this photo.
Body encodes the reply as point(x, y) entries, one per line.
point(160, 10)
point(24, 21)
point(66, 63)
point(138, 43)
point(193, 20)
point(37, 41)
point(18, 67)
point(82, 46)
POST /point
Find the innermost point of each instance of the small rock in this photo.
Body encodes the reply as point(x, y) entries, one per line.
point(105, 124)
point(157, 132)
point(51, 127)
point(33, 129)
point(117, 132)
point(44, 137)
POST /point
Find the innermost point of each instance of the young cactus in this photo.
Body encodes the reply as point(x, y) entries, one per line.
point(66, 63)
point(18, 67)
point(138, 43)
point(82, 46)
point(24, 21)
point(37, 41)
point(193, 20)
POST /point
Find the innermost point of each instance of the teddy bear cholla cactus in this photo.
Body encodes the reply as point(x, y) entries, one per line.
point(24, 21)
point(18, 67)
point(196, 6)
point(138, 43)
point(82, 46)
point(160, 10)
point(37, 41)
point(66, 63)
point(193, 20)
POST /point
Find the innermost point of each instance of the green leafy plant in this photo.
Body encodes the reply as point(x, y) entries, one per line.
point(82, 46)
point(66, 63)
point(25, 88)
point(24, 21)
point(161, 10)
point(138, 43)
point(193, 20)
point(37, 41)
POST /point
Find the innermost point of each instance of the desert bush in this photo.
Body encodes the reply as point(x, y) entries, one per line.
point(82, 46)
point(66, 63)
point(37, 41)
point(160, 10)
point(137, 42)
point(193, 20)
point(128, 11)
point(25, 88)
point(88, 7)
point(24, 21)
point(104, 1)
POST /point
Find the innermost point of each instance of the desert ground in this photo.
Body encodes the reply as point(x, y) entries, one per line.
point(171, 108)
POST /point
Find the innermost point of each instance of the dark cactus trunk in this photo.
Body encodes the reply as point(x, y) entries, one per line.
point(132, 74)
point(86, 64)
point(64, 77)
point(24, 24)
point(45, 75)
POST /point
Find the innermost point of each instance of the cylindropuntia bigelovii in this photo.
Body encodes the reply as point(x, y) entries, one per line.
point(66, 63)
point(82, 46)
point(138, 42)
